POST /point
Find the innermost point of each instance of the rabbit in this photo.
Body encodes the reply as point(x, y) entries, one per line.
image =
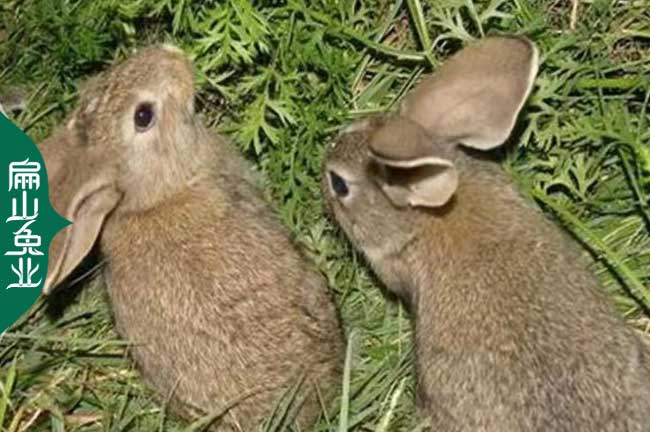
point(511, 330)
point(13, 100)
point(223, 313)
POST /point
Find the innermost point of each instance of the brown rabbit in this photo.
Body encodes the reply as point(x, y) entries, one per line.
point(223, 311)
point(13, 99)
point(511, 330)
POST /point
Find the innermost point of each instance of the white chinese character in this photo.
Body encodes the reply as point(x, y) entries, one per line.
point(23, 238)
point(20, 272)
point(24, 175)
point(24, 216)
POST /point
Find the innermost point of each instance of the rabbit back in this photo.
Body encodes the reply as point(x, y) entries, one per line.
point(217, 301)
point(540, 341)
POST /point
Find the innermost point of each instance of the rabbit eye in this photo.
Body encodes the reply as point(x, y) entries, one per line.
point(143, 117)
point(339, 186)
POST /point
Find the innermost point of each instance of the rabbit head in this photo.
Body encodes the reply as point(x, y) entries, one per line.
point(131, 142)
point(384, 170)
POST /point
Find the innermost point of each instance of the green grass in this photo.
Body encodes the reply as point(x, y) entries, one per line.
point(281, 77)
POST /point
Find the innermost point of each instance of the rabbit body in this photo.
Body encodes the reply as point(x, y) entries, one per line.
point(512, 332)
point(223, 312)
point(211, 324)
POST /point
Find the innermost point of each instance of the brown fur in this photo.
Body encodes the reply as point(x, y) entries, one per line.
point(512, 331)
point(222, 310)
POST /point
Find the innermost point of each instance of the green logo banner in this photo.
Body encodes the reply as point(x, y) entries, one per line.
point(27, 223)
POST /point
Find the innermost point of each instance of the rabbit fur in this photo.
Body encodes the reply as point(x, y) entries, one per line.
point(223, 313)
point(512, 331)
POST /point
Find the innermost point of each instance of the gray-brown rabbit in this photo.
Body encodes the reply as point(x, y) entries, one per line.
point(511, 330)
point(222, 310)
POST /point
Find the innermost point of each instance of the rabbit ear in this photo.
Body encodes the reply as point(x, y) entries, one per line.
point(475, 96)
point(424, 182)
point(413, 171)
point(87, 211)
point(85, 195)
